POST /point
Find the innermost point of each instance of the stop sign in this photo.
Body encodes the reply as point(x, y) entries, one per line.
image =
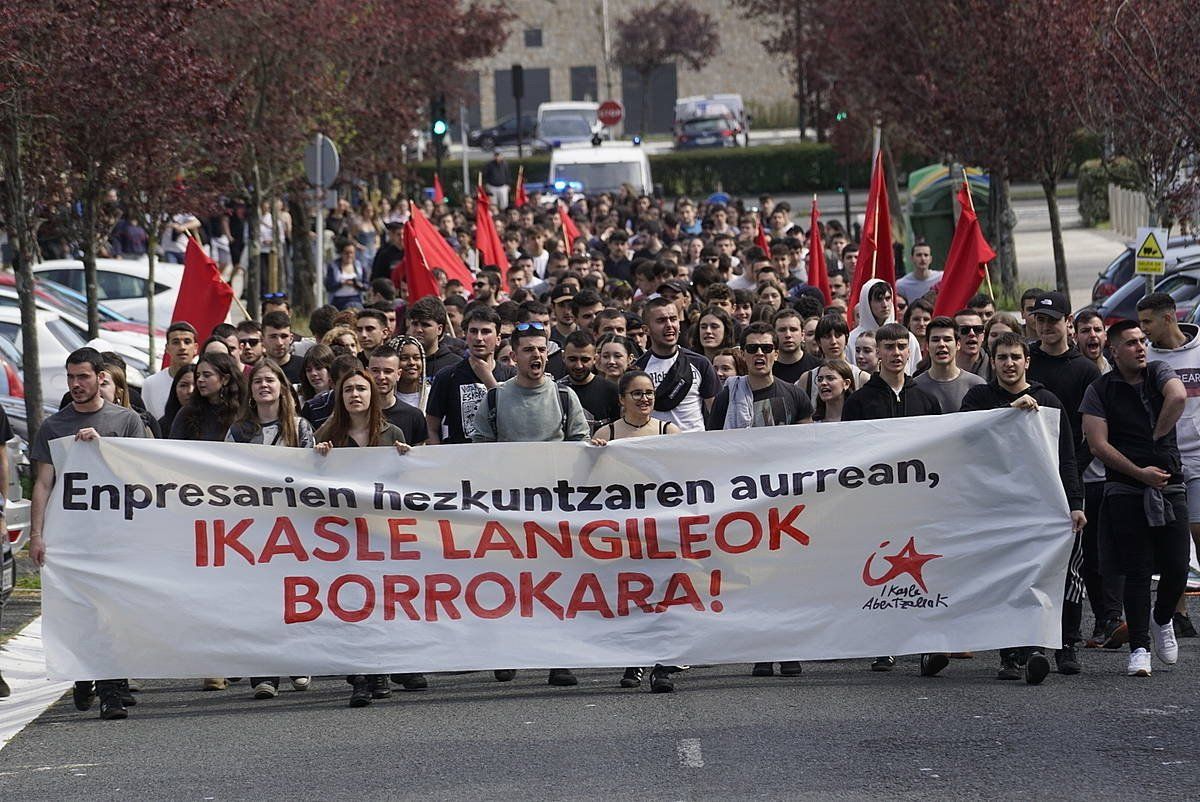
point(610, 113)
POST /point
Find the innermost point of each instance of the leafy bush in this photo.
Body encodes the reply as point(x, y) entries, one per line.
point(1094, 178)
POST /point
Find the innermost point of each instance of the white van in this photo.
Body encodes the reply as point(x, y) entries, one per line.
point(602, 168)
point(567, 122)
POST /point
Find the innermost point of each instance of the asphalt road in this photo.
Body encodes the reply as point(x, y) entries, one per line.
point(837, 732)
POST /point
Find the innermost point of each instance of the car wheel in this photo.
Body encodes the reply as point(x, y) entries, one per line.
point(487, 143)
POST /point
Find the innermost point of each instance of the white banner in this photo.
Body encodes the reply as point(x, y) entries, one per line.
point(170, 559)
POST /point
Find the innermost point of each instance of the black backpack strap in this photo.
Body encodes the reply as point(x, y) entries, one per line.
point(490, 400)
point(564, 404)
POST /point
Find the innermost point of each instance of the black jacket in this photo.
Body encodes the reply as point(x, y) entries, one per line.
point(876, 399)
point(993, 396)
point(1067, 376)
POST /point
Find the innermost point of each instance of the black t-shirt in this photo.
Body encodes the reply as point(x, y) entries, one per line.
point(781, 404)
point(598, 397)
point(293, 369)
point(6, 432)
point(792, 373)
point(455, 397)
point(409, 420)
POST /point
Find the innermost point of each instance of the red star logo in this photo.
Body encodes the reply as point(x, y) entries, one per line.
point(907, 561)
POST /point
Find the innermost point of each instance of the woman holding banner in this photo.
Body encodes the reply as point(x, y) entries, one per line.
point(268, 417)
point(215, 403)
point(636, 394)
point(358, 421)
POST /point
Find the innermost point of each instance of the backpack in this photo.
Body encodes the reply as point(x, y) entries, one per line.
point(564, 404)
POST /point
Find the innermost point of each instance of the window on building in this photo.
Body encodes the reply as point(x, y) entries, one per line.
point(533, 37)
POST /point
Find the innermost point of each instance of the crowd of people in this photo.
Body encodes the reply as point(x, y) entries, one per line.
point(656, 321)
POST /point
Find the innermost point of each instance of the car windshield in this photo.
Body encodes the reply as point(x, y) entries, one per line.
point(73, 302)
point(565, 125)
point(600, 177)
point(706, 125)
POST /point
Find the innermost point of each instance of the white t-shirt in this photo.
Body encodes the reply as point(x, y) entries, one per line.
point(156, 391)
point(688, 415)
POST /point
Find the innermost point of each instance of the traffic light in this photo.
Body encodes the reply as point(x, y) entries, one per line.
point(840, 116)
point(438, 125)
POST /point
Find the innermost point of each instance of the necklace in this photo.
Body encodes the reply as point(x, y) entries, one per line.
point(636, 425)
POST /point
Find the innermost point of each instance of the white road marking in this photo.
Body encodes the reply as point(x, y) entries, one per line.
point(24, 664)
point(688, 751)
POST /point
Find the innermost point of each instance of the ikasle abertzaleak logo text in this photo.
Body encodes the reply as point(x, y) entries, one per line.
point(895, 593)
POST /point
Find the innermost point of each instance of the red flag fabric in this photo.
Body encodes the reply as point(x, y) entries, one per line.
point(487, 239)
point(204, 297)
point(966, 262)
point(424, 250)
point(760, 238)
point(818, 274)
point(438, 195)
point(570, 230)
point(519, 197)
point(875, 256)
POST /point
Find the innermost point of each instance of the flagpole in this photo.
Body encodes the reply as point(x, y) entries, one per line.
point(875, 222)
point(987, 271)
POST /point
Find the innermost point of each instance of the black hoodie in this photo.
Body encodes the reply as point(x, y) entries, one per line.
point(993, 396)
point(1068, 376)
point(876, 399)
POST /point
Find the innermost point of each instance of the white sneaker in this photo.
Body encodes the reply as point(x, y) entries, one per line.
point(1165, 645)
point(265, 690)
point(1139, 663)
point(301, 683)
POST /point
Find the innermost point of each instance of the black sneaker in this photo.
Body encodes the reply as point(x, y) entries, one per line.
point(562, 677)
point(378, 683)
point(84, 693)
point(932, 664)
point(661, 682)
point(1008, 666)
point(1183, 626)
point(360, 696)
point(1118, 636)
point(126, 694)
point(790, 668)
point(505, 674)
point(1099, 635)
point(1036, 668)
point(411, 682)
point(1067, 661)
point(112, 708)
point(632, 678)
point(763, 670)
point(5, 691)
point(883, 663)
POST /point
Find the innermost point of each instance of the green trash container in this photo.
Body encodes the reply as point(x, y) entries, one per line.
point(931, 208)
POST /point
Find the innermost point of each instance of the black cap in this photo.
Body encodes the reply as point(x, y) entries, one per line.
point(562, 291)
point(1051, 304)
point(675, 285)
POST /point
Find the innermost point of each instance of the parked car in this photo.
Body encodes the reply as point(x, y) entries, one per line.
point(122, 332)
point(1120, 270)
point(122, 283)
point(60, 296)
point(702, 120)
point(567, 123)
point(16, 510)
point(1181, 282)
point(58, 335)
point(504, 132)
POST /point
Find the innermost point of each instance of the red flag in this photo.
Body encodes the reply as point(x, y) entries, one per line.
point(487, 240)
point(570, 230)
point(875, 256)
point(424, 250)
point(760, 238)
point(818, 275)
point(967, 261)
point(204, 297)
point(438, 195)
point(519, 197)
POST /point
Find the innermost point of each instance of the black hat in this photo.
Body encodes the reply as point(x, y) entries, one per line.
point(675, 285)
point(562, 291)
point(1051, 304)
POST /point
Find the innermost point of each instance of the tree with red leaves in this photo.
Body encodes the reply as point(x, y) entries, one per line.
point(667, 32)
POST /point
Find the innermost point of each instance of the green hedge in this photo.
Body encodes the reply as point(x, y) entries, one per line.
point(1094, 178)
point(788, 168)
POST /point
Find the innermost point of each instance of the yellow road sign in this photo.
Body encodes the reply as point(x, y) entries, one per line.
point(1150, 257)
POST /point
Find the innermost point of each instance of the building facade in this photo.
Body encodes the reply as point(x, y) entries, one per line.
point(562, 46)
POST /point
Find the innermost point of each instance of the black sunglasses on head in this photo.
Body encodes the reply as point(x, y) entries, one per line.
point(274, 296)
point(533, 324)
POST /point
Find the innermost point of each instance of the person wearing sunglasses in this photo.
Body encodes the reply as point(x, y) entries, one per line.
point(970, 334)
point(757, 399)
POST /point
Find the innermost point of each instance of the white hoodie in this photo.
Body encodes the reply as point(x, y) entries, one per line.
point(1186, 361)
point(866, 322)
